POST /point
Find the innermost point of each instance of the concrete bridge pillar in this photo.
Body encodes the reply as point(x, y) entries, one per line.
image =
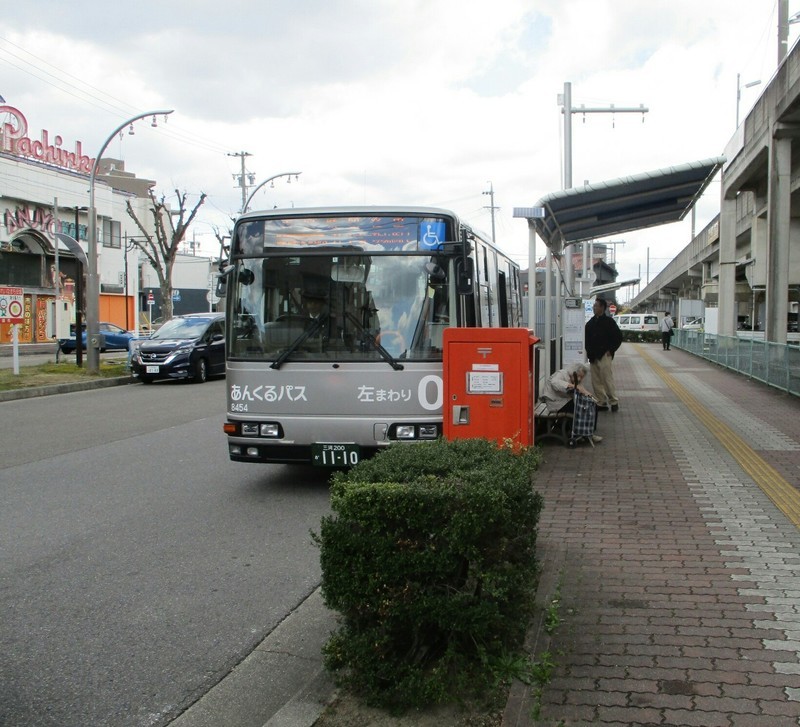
point(779, 221)
point(727, 267)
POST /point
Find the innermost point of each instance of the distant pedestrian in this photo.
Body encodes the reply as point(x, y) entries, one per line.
point(667, 325)
point(603, 338)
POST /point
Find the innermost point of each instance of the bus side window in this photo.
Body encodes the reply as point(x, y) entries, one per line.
point(502, 299)
point(482, 288)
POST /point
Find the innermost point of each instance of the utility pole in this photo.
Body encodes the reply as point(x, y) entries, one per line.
point(491, 206)
point(565, 101)
point(244, 176)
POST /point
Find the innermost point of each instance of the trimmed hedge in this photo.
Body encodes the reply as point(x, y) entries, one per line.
point(642, 336)
point(429, 558)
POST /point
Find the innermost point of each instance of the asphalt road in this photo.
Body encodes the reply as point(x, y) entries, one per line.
point(139, 565)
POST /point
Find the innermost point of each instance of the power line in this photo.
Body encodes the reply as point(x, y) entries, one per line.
point(77, 88)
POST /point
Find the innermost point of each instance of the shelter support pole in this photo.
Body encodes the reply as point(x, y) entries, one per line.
point(532, 278)
point(548, 309)
point(559, 318)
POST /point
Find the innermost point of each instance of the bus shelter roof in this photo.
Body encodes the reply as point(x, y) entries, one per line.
point(622, 205)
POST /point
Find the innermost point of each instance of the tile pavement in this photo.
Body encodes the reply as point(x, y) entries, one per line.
point(678, 580)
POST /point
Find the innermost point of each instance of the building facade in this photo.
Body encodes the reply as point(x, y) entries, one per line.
point(44, 191)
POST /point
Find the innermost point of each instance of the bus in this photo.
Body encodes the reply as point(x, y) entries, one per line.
point(334, 323)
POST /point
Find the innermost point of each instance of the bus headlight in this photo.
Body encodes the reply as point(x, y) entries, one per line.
point(271, 430)
point(405, 431)
point(428, 431)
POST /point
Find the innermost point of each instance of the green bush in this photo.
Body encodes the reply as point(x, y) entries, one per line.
point(429, 558)
point(642, 336)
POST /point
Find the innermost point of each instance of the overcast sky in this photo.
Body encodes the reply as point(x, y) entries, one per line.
point(395, 101)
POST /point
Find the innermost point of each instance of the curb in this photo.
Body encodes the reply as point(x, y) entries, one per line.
point(281, 683)
point(64, 388)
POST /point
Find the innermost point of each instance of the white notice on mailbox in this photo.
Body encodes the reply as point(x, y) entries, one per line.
point(485, 379)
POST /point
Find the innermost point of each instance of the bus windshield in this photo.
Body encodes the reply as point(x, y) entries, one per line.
point(339, 303)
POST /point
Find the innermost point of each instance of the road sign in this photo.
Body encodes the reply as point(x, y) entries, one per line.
point(12, 303)
point(612, 309)
point(150, 298)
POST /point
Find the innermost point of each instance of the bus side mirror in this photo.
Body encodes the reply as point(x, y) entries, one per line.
point(222, 281)
point(465, 275)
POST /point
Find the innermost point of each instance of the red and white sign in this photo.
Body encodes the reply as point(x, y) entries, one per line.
point(14, 139)
point(12, 302)
point(612, 309)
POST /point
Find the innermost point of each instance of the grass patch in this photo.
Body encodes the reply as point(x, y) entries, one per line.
point(56, 373)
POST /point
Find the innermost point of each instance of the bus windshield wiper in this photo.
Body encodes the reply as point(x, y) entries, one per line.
point(299, 341)
point(385, 355)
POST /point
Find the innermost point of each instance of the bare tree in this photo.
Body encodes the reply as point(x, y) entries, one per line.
point(224, 255)
point(224, 241)
point(161, 246)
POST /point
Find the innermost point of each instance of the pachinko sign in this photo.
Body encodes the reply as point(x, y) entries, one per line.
point(14, 139)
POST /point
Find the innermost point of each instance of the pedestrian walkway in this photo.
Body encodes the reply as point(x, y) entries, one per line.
point(673, 549)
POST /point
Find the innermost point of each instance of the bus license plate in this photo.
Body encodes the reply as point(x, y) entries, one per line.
point(151, 369)
point(334, 455)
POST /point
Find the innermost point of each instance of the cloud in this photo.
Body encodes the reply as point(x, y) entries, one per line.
point(405, 101)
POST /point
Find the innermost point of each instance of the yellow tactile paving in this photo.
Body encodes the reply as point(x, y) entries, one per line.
point(774, 485)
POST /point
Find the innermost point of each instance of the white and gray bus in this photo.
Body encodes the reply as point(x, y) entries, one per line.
point(334, 326)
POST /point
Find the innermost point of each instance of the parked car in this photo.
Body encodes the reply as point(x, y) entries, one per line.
point(694, 324)
point(743, 323)
point(638, 322)
point(185, 347)
point(114, 338)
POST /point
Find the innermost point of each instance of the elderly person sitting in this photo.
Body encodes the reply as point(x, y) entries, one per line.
point(559, 388)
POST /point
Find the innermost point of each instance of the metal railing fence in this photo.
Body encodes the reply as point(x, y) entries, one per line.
point(775, 364)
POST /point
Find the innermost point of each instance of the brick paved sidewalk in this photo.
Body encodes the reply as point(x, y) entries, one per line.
point(678, 578)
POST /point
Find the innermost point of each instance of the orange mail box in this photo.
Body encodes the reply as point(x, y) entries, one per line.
point(488, 384)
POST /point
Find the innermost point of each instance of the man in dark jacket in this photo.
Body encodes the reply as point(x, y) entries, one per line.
point(603, 338)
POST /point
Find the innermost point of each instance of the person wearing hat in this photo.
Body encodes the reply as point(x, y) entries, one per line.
point(314, 304)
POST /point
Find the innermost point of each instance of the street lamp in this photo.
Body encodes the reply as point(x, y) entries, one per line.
point(277, 176)
point(739, 88)
point(79, 292)
point(92, 282)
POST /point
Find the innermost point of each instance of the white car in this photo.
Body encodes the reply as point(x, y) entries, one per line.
point(638, 322)
point(693, 324)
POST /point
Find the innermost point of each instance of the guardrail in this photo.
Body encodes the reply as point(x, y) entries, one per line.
point(775, 364)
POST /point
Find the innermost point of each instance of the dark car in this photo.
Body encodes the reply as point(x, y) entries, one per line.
point(114, 338)
point(185, 347)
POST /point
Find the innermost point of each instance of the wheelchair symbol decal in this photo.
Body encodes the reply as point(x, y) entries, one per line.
point(432, 236)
